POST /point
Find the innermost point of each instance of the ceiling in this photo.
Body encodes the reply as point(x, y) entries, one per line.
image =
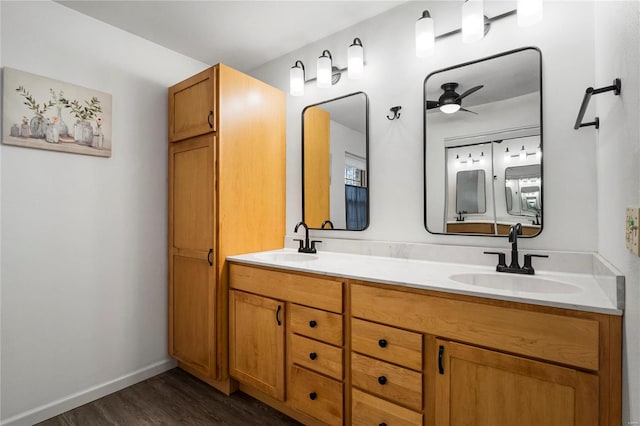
point(241, 34)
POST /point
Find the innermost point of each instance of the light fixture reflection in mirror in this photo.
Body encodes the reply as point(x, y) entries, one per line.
point(497, 127)
point(335, 166)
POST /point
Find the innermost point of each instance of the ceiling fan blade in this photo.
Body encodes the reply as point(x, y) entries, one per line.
point(470, 91)
point(432, 104)
point(467, 110)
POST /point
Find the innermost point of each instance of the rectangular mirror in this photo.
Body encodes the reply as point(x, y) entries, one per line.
point(335, 165)
point(483, 146)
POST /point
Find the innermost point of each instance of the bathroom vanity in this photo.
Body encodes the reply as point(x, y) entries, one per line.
point(336, 338)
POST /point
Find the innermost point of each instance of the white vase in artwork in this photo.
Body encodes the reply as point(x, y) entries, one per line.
point(38, 125)
point(15, 130)
point(51, 134)
point(98, 138)
point(61, 125)
point(83, 132)
point(24, 130)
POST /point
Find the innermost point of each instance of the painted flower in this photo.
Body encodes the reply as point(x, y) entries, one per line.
point(53, 120)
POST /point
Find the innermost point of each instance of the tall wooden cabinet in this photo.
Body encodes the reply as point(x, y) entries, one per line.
point(226, 196)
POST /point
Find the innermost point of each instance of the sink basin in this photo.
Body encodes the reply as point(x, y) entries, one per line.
point(286, 257)
point(513, 282)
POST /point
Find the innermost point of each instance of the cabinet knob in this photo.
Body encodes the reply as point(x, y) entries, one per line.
point(313, 355)
point(382, 424)
point(312, 324)
point(382, 380)
point(382, 343)
point(313, 396)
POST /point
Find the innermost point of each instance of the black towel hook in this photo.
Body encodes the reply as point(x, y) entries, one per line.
point(395, 112)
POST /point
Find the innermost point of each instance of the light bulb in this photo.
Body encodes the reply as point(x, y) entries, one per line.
point(472, 21)
point(449, 108)
point(481, 160)
point(324, 70)
point(507, 156)
point(523, 154)
point(425, 37)
point(296, 79)
point(458, 162)
point(538, 153)
point(355, 60)
point(529, 12)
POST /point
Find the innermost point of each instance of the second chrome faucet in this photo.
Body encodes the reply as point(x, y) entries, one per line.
point(514, 267)
point(305, 245)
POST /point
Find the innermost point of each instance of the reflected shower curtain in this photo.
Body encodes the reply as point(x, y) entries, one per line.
point(356, 207)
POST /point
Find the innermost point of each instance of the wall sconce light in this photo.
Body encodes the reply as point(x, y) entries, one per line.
point(472, 21)
point(355, 59)
point(523, 154)
point(296, 79)
point(425, 36)
point(529, 12)
point(538, 153)
point(324, 69)
point(507, 155)
point(481, 160)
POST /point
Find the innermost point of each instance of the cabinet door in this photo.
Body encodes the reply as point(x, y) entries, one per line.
point(191, 260)
point(192, 106)
point(486, 388)
point(256, 337)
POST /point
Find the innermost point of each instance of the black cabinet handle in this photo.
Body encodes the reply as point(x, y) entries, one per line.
point(313, 356)
point(209, 257)
point(382, 380)
point(312, 324)
point(440, 359)
point(209, 119)
point(382, 424)
point(382, 343)
point(313, 396)
point(278, 315)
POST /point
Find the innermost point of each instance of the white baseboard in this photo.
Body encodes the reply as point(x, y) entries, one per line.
point(70, 402)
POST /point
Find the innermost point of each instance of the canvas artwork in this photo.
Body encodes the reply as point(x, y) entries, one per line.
point(39, 112)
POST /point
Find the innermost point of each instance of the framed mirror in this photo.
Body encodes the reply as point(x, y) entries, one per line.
point(335, 163)
point(483, 146)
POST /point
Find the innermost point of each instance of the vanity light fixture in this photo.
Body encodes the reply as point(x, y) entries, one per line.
point(296, 79)
point(472, 21)
point(324, 69)
point(523, 154)
point(481, 160)
point(529, 12)
point(355, 59)
point(538, 153)
point(507, 155)
point(425, 36)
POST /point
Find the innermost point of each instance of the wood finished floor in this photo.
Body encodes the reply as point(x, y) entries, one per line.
point(171, 398)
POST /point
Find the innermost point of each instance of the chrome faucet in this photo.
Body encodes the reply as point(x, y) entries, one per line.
point(305, 247)
point(514, 267)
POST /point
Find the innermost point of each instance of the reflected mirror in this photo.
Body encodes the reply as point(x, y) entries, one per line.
point(335, 165)
point(483, 146)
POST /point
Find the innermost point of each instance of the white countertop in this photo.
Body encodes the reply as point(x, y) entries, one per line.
point(586, 293)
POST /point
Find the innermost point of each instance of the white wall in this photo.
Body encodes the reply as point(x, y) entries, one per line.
point(394, 76)
point(585, 217)
point(84, 273)
point(617, 54)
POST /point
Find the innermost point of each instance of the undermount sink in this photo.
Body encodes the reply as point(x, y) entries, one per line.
point(286, 257)
point(513, 282)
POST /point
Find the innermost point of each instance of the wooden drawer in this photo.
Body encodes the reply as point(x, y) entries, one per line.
point(316, 395)
point(367, 410)
point(387, 343)
point(563, 339)
point(319, 325)
point(317, 356)
point(397, 384)
point(310, 291)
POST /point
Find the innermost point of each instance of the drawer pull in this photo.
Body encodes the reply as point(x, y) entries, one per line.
point(440, 359)
point(312, 324)
point(382, 380)
point(209, 117)
point(313, 356)
point(313, 396)
point(382, 343)
point(278, 315)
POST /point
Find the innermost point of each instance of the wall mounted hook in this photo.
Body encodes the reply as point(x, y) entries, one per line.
point(395, 110)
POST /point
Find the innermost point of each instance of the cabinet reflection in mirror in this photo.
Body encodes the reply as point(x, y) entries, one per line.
point(335, 165)
point(483, 146)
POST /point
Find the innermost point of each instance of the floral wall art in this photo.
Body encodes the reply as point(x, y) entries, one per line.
point(43, 113)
